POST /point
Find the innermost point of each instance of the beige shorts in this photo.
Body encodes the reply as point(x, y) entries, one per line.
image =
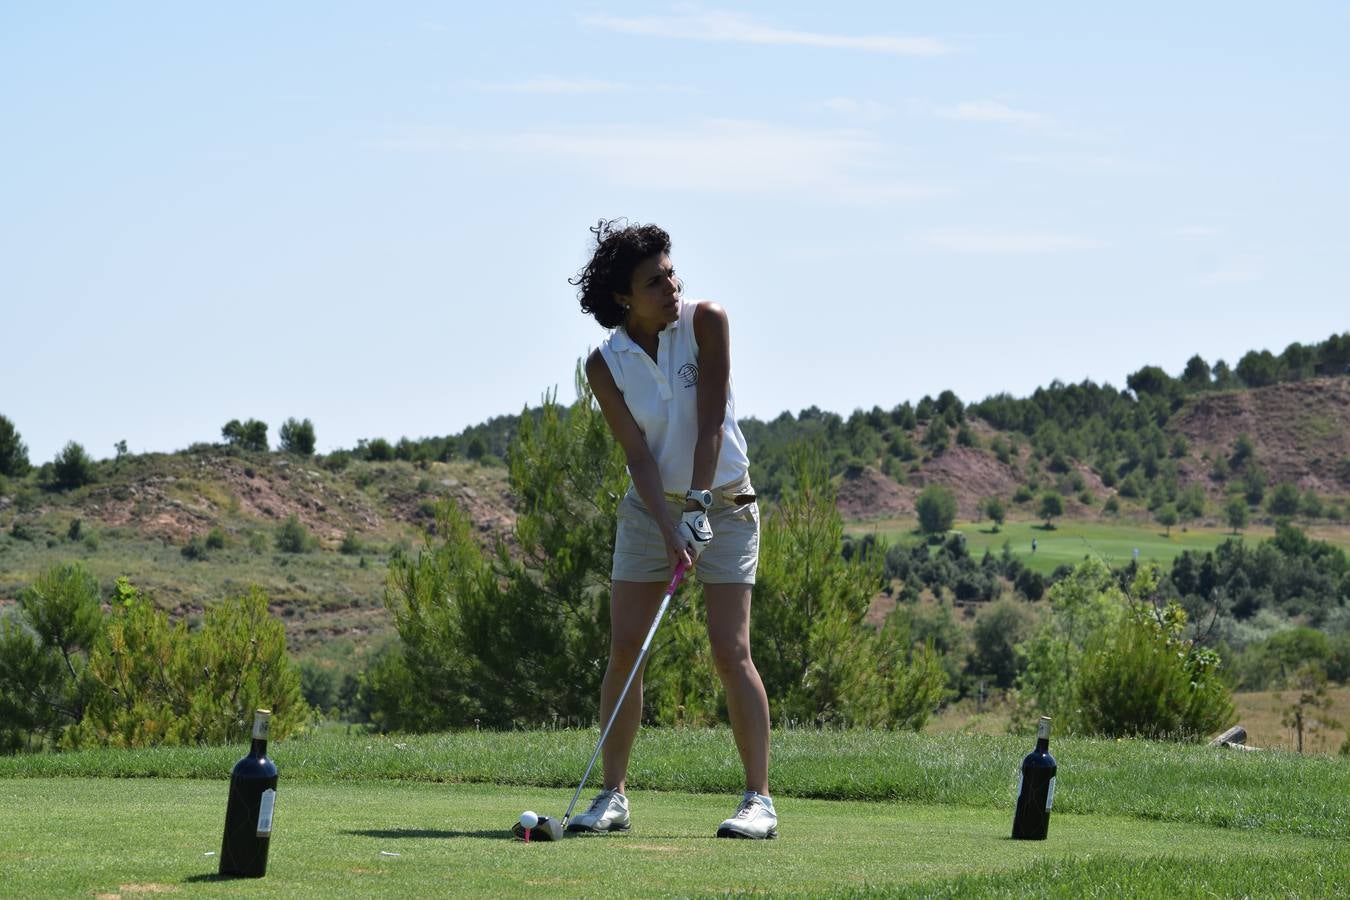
point(730, 558)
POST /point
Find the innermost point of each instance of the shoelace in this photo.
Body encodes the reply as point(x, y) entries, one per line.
point(600, 800)
point(747, 807)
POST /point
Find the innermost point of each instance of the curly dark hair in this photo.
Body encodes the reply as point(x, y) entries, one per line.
point(619, 247)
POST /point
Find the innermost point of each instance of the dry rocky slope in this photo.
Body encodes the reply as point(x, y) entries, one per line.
point(1301, 432)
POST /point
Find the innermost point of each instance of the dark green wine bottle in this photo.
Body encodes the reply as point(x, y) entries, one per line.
point(248, 814)
point(1036, 789)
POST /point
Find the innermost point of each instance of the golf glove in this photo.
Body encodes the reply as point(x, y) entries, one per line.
point(695, 531)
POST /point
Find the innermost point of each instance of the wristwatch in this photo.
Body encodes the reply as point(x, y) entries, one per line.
point(702, 498)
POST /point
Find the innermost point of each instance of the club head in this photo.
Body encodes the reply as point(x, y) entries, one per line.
point(548, 829)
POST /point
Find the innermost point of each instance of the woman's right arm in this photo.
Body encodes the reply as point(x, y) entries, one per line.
point(641, 464)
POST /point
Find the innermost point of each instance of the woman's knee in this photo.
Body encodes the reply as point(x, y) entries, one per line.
point(730, 655)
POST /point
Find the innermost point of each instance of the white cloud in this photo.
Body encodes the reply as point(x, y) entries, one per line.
point(860, 110)
point(962, 240)
point(741, 29)
point(1079, 162)
point(724, 156)
point(1194, 231)
point(1240, 271)
point(552, 85)
point(731, 155)
point(992, 111)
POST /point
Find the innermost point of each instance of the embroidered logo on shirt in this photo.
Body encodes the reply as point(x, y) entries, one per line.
point(688, 374)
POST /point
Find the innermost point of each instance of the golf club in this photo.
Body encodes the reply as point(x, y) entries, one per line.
point(547, 829)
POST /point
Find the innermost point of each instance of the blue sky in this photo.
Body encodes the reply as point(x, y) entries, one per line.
point(366, 214)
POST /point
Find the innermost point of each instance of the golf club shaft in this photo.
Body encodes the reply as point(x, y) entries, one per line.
point(675, 580)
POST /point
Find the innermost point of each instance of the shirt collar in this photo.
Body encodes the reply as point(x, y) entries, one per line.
point(621, 340)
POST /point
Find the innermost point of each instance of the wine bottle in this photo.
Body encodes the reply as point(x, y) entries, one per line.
point(1035, 789)
point(248, 814)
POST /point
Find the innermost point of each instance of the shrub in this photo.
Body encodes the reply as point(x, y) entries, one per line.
point(215, 539)
point(297, 437)
point(1023, 494)
point(72, 467)
point(1051, 507)
point(937, 437)
point(293, 537)
point(1030, 584)
point(75, 530)
point(936, 508)
point(1166, 516)
point(1133, 485)
point(13, 453)
point(378, 450)
point(1112, 505)
point(1254, 485)
point(257, 542)
point(1144, 680)
point(351, 545)
point(250, 435)
point(996, 511)
point(1284, 500)
point(195, 549)
point(337, 460)
point(999, 628)
point(159, 684)
point(1236, 513)
point(1107, 661)
point(44, 651)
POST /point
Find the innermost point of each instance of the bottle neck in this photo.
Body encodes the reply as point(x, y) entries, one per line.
point(1042, 745)
point(259, 748)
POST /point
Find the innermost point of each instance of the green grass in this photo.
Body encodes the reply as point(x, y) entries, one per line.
point(862, 812)
point(1069, 541)
point(399, 839)
point(1148, 780)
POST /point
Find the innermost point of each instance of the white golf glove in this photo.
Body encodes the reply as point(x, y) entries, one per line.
point(695, 531)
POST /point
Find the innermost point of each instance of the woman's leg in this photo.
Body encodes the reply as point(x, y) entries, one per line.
point(632, 607)
point(728, 607)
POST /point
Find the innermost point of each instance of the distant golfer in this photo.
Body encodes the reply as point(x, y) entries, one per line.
point(663, 381)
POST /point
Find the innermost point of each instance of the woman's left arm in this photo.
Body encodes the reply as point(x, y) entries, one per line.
point(714, 375)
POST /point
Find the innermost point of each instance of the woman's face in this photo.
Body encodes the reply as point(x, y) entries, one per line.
point(653, 297)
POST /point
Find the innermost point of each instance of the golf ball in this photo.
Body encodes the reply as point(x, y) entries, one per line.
point(529, 819)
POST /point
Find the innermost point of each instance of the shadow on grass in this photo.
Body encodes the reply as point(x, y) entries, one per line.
point(398, 833)
point(207, 878)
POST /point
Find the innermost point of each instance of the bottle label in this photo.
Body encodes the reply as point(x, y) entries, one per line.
point(269, 799)
point(1050, 795)
point(260, 723)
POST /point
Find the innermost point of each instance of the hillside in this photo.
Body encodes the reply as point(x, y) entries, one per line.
point(141, 511)
point(1300, 432)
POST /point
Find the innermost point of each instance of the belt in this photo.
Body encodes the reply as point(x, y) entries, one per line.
point(732, 499)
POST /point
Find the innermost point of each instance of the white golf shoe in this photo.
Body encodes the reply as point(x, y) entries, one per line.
point(755, 819)
point(607, 812)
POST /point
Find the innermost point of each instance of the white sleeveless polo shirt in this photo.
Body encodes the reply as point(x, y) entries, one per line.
point(662, 395)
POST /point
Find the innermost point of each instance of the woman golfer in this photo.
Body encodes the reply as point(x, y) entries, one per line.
point(663, 381)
